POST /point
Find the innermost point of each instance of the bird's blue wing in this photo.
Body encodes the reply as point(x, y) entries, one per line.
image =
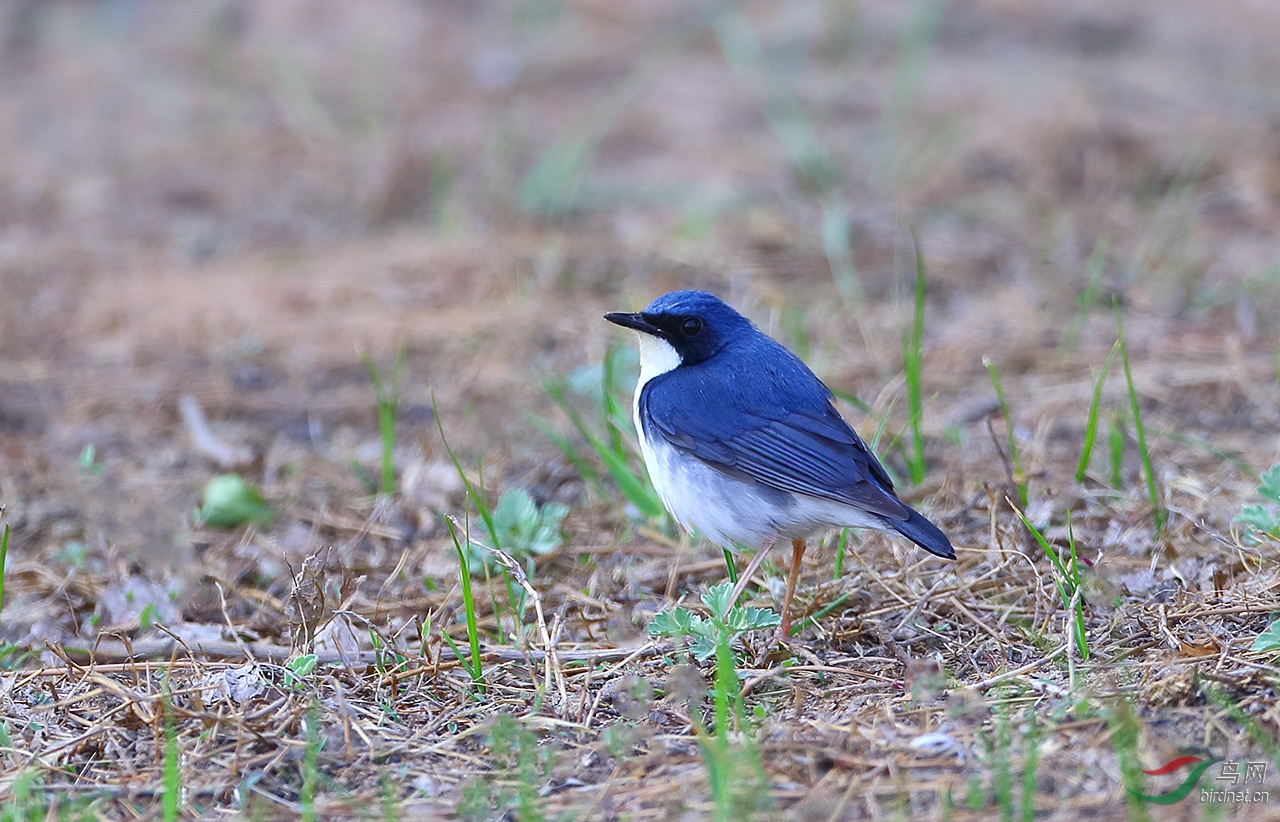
point(763, 415)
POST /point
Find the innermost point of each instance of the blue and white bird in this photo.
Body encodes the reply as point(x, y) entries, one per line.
point(744, 443)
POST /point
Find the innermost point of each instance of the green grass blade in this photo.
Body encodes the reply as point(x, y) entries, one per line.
point(1091, 425)
point(1258, 732)
point(1002, 772)
point(1030, 766)
point(1158, 511)
point(729, 567)
point(1064, 580)
point(552, 187)
point(615, 412)
point(912, 345)
point(1082, 638)
point(472, 663)
point(172, 775)
point(310, 767)
point(387, 397)
point(842, 544)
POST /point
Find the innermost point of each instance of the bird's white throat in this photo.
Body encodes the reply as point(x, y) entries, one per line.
point(657, 357)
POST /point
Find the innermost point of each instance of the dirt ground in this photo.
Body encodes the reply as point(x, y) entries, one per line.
point(236, 202)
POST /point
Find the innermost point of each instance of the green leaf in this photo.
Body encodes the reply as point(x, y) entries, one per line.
point(664, 623)
point(1269, 488)
point(1259, 516)
point(516, 512)
point(1268, 640)
point(230, 502)
point(755, 619)
point(523, 529)
point(677, 622)
point(299, 667)
point(719, 600)
point(303, 665)
point(703, 648)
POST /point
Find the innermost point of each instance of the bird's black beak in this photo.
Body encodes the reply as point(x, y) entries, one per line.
point(636, 322)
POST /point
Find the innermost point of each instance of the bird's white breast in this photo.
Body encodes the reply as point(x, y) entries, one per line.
point(657, 357)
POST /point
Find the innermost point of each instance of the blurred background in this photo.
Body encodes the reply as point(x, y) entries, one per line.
point(235, 200)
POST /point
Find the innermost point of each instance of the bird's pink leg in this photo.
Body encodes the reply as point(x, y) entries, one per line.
point(797, 554)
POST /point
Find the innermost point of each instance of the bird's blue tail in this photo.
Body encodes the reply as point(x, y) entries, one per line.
point(922, 532)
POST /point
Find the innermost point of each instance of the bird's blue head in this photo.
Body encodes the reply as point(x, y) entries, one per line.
point(694, 325)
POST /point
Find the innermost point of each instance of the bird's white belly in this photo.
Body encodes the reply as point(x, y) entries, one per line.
point(726, 510)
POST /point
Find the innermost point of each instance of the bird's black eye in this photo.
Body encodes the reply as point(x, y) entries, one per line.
point(691, 327)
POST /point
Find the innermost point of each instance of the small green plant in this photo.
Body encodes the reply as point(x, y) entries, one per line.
point(1268, 640)
point(733, 771)
point(910, 148)
point(1000, 754)
point(30, 799)
point(387, 396)
point(147, 618)
point(1261, 734)
point(1030, 766)
point(523, 767)
point(476, 495)
point(1124, 738)
point(310, 768)
point(912, 360)
point(1067, 581)
point(73, 554)
point(524, 530)
point(172, 773)
point(89, 462)
point(998, 748)
point(229, 502)
point(1015, 456)
point(727, 622)
point(1091, 424)
point(297, 669)
point(1158, 511)
point(1263, 518)
point(445, 211)
point(469, 662)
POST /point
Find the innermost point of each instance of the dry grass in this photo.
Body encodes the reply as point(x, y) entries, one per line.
point(892, 703)
point(235, 203)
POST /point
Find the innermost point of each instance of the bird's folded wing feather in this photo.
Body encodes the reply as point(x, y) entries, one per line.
point(783, 435)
